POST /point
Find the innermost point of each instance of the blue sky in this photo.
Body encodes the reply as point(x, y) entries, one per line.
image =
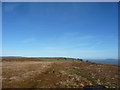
point(84, 30)
point(0, 29)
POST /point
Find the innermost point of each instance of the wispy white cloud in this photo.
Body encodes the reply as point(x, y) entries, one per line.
point(77, 36)
point(29, 40)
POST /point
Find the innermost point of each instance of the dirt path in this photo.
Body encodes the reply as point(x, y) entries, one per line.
point(78, 75)
point(20, 74)
point(57, 77)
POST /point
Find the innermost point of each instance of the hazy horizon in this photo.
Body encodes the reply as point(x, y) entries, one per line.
point(63, 57)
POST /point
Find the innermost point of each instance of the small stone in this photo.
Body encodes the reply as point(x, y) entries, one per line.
point(77, 79)
point(81, 85)
point(90, 84)
point(99, 83)
point(113, 87)
point(112, 78)
point(106, 86)
point(98, 80)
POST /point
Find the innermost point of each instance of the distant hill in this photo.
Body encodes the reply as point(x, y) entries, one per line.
point(106, 61)
point(11, 56)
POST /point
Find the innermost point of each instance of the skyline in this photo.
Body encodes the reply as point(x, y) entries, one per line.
point(80, 30)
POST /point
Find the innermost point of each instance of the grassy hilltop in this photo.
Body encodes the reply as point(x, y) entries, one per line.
point(57, 72)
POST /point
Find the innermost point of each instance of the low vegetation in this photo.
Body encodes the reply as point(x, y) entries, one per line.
point(57, 73)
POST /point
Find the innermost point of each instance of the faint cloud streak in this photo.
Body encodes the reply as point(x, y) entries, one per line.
point(29, 40)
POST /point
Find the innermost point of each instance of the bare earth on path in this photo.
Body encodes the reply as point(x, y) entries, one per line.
point(17, 72)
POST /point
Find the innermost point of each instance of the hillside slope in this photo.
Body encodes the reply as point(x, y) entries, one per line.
point(58, 74)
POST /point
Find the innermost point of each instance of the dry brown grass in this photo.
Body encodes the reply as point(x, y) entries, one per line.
point(16, 72)
point(40, 74)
